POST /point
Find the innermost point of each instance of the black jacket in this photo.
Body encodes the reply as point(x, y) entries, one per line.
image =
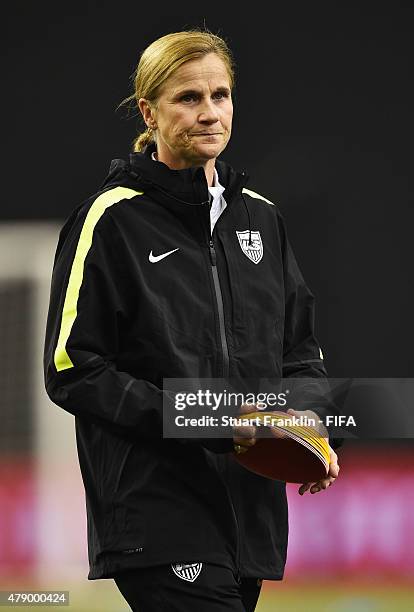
point(118, 324)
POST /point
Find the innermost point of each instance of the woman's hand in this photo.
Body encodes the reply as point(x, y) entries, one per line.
point(244, 436)
point(333, 472)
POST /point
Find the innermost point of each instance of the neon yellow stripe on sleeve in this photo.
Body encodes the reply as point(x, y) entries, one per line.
point(69, 313)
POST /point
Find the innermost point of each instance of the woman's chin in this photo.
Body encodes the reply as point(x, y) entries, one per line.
point(208, 151)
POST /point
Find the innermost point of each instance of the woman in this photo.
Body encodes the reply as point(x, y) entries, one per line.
point(174, 269)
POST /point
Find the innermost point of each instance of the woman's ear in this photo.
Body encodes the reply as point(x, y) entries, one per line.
point(147, 113)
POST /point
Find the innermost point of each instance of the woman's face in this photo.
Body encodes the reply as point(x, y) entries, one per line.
point(194, 112)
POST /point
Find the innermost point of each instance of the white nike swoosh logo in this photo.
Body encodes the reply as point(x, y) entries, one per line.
point(155, 258)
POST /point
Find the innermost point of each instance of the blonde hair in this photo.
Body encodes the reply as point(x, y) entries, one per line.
point(162, 57)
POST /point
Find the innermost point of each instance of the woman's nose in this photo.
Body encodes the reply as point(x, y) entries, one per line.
point(208, 112)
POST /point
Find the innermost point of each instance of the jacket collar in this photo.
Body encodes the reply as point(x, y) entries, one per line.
point(189, 185)
point(183, 192)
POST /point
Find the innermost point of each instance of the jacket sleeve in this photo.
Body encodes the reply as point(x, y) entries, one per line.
point(88, 305)
point(302, 355)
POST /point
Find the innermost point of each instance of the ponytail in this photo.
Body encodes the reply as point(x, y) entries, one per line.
point(143, 140)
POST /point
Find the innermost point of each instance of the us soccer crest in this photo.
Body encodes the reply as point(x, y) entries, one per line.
point(253, 251)
point(187, 571)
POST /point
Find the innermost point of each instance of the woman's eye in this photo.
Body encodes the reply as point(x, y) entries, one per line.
point(219, 95)
point(188, 98)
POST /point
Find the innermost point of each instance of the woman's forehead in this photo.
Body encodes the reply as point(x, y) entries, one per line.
point(209, 69)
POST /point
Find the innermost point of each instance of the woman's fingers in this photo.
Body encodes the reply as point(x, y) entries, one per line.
point(315, 487)
point(333, 463)
point(247, 442)
point(304, 488)
point(245, 435)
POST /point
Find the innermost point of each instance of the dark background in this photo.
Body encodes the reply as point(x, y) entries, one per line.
point(323, 125)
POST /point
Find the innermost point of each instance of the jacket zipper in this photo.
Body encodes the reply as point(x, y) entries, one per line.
point(226, 371)
point(219, 301)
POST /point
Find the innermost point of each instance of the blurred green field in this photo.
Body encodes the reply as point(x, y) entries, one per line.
point(103, 596)
point(336, 598)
